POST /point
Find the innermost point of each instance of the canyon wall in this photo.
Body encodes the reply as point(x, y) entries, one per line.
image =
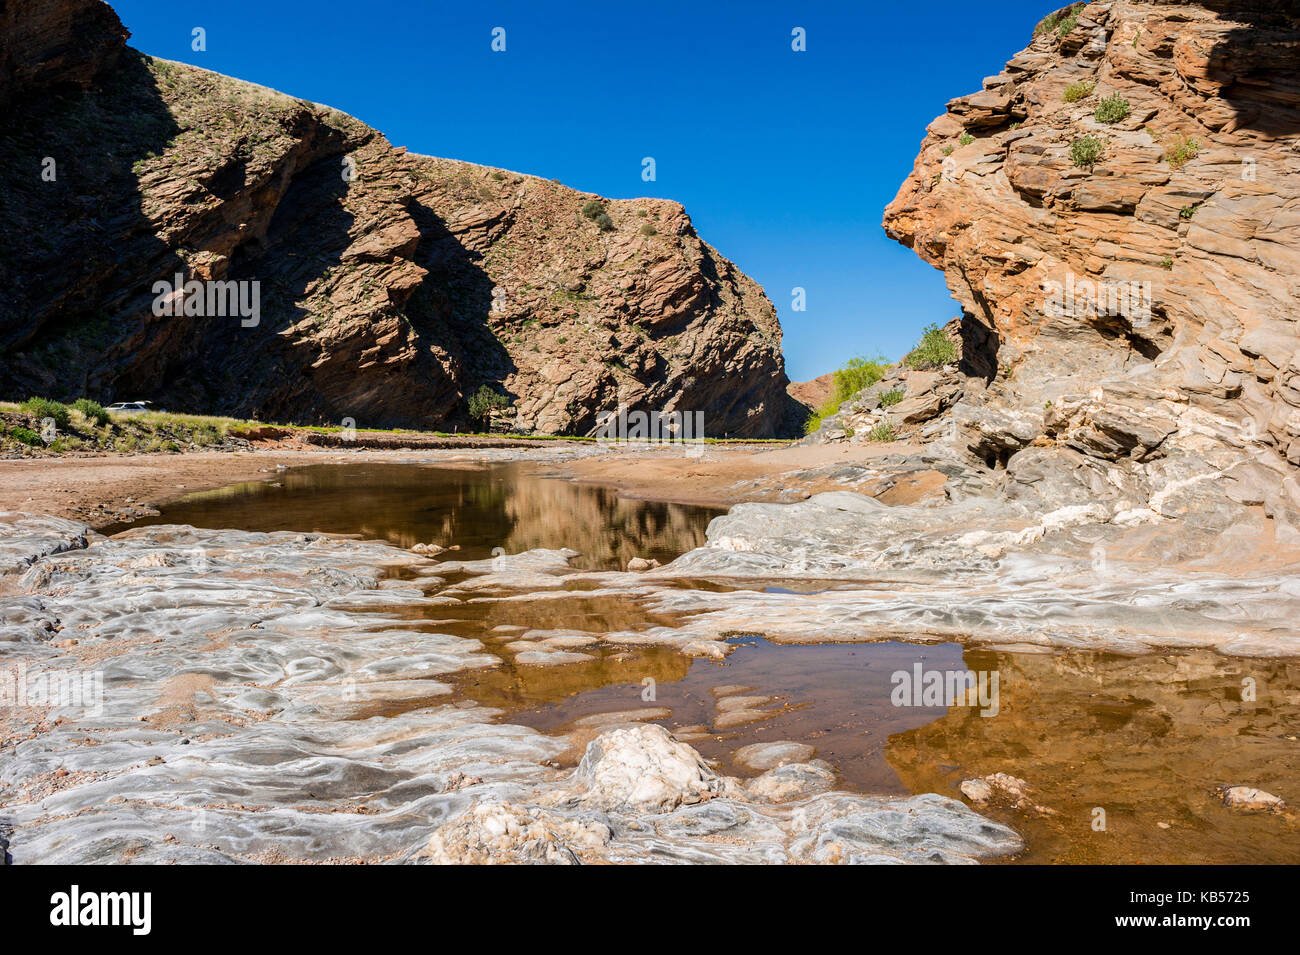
point(390, 286)
point(1117, 212)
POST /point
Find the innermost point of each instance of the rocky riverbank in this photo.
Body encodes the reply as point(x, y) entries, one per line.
point(239, 675)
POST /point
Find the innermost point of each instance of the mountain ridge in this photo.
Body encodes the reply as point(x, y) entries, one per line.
point(391, 286)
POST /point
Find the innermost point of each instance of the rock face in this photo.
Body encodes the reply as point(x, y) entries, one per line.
point(56, 43)
point(390, 287)
point(1130, 315)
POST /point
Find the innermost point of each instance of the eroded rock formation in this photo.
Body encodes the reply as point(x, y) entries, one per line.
point(1129, 316)
point(391, 286)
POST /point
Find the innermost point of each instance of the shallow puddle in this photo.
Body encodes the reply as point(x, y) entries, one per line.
point(1122, 754)
point(1146, 740)
point(477, 508)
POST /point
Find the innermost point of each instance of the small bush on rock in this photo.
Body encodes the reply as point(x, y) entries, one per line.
point(484, 401)
point(92, 410)
point(934, 350)
point(1112, 109)
point(1079, 90)
point(1087, 151)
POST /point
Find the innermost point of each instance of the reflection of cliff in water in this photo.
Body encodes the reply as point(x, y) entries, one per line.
point(1146, 739)
point(480, 509)
point(608, 530)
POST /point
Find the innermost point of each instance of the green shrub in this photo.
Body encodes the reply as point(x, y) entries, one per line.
point(1069, 21)
point(934, 350)
point(1167, 263)
point(1181, 152)
point(593, 208)
point(605, 222)
point(890, 398)
point(1186, 212)
point(857, 373)
point(44, 408)
point(648, 229)
point(882, 432)
point(1055, 21)
point(1112, 109)
point(93, 411)
point(1079, 90)
point(949, 150)
point(484, 401)
point(965, 139)
point(1087, 151)
point(26, 436)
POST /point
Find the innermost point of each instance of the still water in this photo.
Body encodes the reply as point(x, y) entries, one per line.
point(1145, 739)
point(477, 509)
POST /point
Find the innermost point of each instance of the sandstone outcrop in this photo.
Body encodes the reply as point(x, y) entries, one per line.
point(1131, 313)
point(391, 287)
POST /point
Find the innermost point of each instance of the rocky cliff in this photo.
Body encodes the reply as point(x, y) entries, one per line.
point(1118, 214)
point(389, 286)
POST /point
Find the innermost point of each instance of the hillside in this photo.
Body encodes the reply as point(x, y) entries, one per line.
point(390, 286)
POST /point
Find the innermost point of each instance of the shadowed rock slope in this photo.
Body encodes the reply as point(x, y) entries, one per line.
point(392, 286)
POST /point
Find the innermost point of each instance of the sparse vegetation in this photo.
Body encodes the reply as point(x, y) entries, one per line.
point(1186, 212)
point(1182, 151)
point(883, 432)
point(92, 410)
point(934, 350)
point(965, 139)
point(1167, 263)
point(485, 401)
point(1078, 90)
point(1062, 21)
point(1087, 151)
point(648, 229)
point(594, 210)
point(41, 408)
point(890, 398)
point(857, 373)
point(1112, 109)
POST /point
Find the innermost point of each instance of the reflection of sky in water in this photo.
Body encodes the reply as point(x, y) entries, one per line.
point(478, 509)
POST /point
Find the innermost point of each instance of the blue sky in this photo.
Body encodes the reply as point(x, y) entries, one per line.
point(784, 160)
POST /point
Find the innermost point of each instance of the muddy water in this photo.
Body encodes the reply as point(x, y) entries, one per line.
point(1145, 740)
point(476, 508)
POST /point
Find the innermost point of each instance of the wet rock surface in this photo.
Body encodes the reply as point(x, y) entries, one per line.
point(254, 707)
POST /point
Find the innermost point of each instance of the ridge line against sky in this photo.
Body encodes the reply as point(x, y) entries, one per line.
point(784, 160)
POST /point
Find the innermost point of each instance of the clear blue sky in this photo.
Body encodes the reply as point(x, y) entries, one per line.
point(784, 160)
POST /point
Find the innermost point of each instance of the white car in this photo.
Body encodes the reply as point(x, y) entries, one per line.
point(128, 406)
